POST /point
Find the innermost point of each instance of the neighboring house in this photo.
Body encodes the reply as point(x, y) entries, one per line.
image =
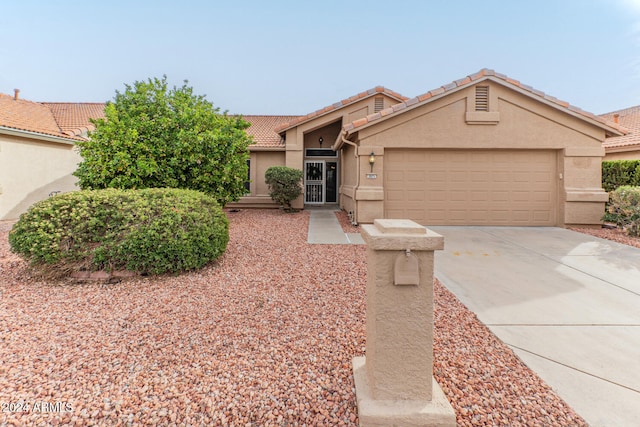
point(626, 147)
point(483, 150)
point(37, 153)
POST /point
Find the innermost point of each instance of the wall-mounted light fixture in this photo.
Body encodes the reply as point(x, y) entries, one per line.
point(320, 140)
point(372, 160)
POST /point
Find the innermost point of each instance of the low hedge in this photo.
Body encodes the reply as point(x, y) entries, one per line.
point(150, 231)
point(624, 208)
point(616, 173)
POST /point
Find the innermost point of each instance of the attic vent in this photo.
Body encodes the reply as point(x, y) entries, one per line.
point(378, 104)
point(482, 98)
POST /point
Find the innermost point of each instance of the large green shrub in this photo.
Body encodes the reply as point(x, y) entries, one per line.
point(150, 231)
point(616, 173)
point(624, 207)
point(156, 137)
point(285, 185)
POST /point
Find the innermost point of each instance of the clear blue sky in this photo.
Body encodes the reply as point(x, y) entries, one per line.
point(293, 57)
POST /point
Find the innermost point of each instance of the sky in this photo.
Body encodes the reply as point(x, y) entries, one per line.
point(282, 57)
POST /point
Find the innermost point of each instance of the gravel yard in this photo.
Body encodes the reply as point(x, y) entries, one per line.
point(265, 337)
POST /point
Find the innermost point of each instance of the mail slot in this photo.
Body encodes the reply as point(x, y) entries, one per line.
point(406, 269)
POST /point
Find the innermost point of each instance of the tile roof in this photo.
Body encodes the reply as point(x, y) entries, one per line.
point(30, 116)
point(73, 118)
point(484, 74)
point(371, 92)
point(262, 130)
point(630, 119)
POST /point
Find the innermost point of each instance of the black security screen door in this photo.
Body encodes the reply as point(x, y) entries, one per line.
point(331, 182)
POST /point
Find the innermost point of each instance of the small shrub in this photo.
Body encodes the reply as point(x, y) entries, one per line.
point(150, 231)
point(624, 207)
point(284, 185)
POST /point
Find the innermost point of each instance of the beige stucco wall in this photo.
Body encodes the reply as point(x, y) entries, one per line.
point(515, 121)
point(260, 161)
point(348, 177)
point(622, 155)
point(30, 169)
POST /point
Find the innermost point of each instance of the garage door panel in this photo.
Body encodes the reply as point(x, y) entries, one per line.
point(415, 195)
point(415, 176)
point(475, 187)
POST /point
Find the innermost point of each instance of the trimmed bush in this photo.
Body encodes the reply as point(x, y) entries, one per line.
point(149, 231)
point(616, 173)
point(624, 207)
point(284, 185)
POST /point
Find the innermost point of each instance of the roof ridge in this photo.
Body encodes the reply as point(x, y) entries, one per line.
point(483, 74)
point(634, 107)
point(26, 101)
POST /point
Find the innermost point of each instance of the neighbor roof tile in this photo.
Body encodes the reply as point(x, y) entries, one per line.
point(630, 119)
point(30, 116)
point(74, 117)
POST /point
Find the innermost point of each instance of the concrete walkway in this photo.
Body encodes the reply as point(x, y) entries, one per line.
point(324, 228)
point(568, 304)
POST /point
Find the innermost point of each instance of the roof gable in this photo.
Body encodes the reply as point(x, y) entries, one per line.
point(341, 104)
point(473, 79)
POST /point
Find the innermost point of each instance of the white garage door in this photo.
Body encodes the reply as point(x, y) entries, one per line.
point(471, 187)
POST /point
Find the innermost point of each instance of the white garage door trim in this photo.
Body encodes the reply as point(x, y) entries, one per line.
point(471, 187)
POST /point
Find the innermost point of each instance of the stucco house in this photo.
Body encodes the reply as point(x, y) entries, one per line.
point(625, 147)
point(482, 150)
point(37, 154)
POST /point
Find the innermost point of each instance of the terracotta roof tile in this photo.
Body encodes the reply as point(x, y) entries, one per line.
point(463, 82)
point(263, 130)
point(411, 101)
point(630, 119)
point(472, 79)
point(30, 116)
point(301, 119)
point(425, 96)
point(73, 118)
point(449, 86)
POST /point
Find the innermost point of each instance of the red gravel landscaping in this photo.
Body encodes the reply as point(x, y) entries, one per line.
point(264, 337)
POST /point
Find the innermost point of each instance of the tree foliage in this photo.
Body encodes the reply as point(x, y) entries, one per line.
point(284, 185)
point(154, 137)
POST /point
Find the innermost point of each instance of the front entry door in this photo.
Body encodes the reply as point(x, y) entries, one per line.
point(321, 182)
point(314, 182)
point(331, 182)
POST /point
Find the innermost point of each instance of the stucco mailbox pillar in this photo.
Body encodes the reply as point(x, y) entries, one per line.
point(394, 381)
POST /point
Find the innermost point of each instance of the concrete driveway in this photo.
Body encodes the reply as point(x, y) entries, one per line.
point(568, 304)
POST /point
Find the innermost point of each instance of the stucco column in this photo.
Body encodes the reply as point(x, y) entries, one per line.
point(394, 381)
